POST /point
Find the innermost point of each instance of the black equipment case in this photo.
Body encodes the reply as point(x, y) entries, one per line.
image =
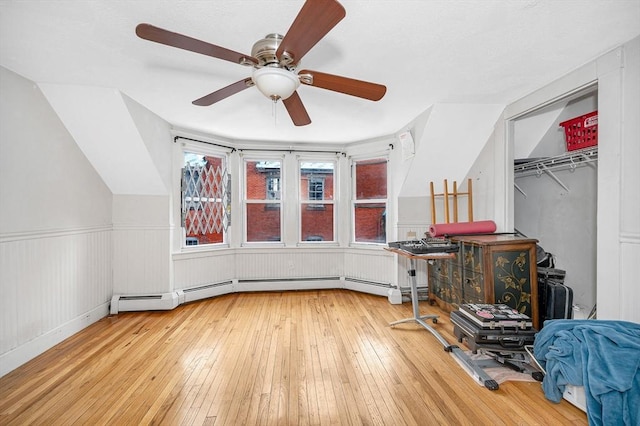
point(493, 339)
point(554, 298)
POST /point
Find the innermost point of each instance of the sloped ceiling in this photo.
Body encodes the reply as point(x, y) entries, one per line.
point(447, 150)
point(117, 152)
point(425, 52)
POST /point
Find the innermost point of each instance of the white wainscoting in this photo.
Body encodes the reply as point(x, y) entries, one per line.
point(259, 269)
point(201, 269)
point(204, 268)
point(403, 276)
point(141, 259)
point(284, 263)
point(376, 266)
point(53, 284)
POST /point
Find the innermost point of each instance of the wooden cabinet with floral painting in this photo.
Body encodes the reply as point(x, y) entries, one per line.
point(488, 269)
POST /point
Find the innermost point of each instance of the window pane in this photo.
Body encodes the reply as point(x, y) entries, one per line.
point(316, 196)
point(371, 179)
point(263, 198)
point(316, 180)
point(204, 197)
point(370, 222)
point(263, 180)
point(316, 222)
point(263, 222)
point(370, 201)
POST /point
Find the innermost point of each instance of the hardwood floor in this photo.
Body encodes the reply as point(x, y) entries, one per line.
point(286, 358)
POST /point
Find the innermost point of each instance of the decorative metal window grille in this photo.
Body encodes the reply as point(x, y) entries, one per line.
point(206, 199)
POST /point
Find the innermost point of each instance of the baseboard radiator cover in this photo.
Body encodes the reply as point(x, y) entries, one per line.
point(284, 284)
point(367, 286)
point(167, 301)
point(171, 300)
point(207, 291)
point(146, 302)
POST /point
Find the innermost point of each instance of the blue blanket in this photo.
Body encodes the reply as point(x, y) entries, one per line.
point(603, 356)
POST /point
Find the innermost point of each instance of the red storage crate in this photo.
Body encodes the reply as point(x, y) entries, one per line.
point(581, 132)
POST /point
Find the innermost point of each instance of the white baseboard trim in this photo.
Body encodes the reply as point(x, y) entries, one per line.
point(13, 359)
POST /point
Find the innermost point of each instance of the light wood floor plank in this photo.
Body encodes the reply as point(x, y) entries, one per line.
point(324, 357)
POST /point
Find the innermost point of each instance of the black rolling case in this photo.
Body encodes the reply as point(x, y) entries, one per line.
point(555, 299)
point(493, 339)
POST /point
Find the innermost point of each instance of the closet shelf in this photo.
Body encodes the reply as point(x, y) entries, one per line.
point(568, 161)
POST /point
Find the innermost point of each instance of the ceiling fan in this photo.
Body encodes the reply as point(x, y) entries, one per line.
point(275, 60)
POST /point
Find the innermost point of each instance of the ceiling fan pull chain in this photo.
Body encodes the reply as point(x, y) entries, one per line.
point(274, 111)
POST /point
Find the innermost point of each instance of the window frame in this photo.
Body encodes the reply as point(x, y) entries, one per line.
point(315, 204)
point(270, 203)
point(225, 200)
point(354, 161)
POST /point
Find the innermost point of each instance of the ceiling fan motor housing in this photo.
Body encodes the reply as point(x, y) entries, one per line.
point(265, 51)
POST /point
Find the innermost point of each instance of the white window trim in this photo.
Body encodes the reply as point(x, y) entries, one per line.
point(333, 201)
point(354, 201)
point(198, 149)
point(255, 156)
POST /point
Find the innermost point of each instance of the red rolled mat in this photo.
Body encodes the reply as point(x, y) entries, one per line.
point(462, 228)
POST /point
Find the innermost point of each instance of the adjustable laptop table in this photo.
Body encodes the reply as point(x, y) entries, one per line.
point(476, 371)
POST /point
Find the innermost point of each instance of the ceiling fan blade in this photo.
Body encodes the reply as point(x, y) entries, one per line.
point(296, 110)
point(159, 35)
point(314, 21)
point(348, 86)
point(223, 93)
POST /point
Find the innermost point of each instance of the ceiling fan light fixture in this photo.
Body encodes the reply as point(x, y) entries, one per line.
point(275, 83)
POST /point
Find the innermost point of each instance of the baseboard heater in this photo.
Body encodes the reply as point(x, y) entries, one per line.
point(169, 301)
point(368, 282)
point(286, 284)
point(166, 301)
point(148, 302)
point(276, 280)
point(366, 286)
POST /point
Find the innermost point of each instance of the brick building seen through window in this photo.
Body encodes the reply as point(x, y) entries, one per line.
point(205, 201)
point(317, 201)
point(370, 200)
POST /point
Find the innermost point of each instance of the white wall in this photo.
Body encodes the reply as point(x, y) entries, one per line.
point(143, 222)
point(68, 242)
point(55, 228)
point(453, 142)
point(141, 244)
point(618, 176)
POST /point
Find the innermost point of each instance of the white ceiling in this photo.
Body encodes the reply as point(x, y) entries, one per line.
point(426, 52)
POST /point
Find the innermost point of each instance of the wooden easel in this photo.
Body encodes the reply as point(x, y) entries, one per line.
point(454, 196)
